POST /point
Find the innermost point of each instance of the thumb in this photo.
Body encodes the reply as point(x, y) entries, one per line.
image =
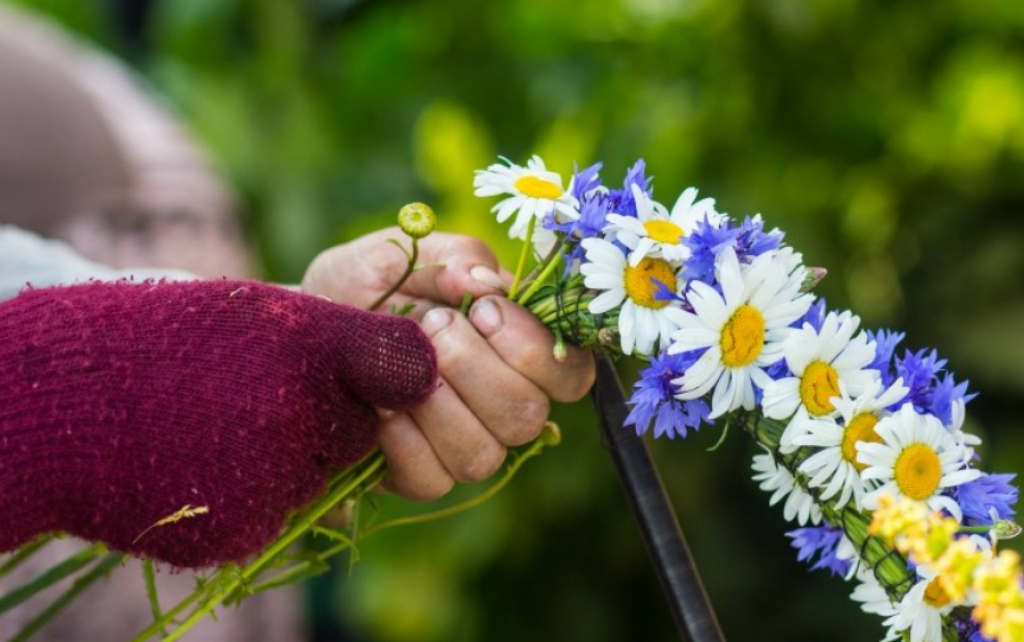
point(383, 360)
point(454, 266)
point(451, 265)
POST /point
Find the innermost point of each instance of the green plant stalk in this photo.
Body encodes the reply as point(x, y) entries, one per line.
point(169, 615)
point(409, 269)
point(523, 256)
point(149, 576)
point(54, 574)
point(65, 598)
point(372, 472)
point(510, 471)
point(24, 553)
point(563, 308)
point(308, 568)
point(539, 281)
point(340, 479)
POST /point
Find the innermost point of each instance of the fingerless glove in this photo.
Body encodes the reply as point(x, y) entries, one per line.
point(122, 403)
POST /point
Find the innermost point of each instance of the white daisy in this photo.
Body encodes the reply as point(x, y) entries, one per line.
point(848, 552)
point(958, 414)
point(534, 192)
point(820, 361)
point(921, 610)
point(781, 483)
point(871, 595)
point(643, 317)
point(659, 233)
point(917, 459)
point(741, 329)
point(834, 465)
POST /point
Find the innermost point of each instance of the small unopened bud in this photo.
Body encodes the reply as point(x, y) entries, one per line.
point(814, 276)
point(606, 337)
point(417, 220)
point(1005, 529)
point(550, 435)
point(559, 351)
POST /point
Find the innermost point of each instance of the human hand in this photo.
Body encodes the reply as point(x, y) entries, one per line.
point(496, 364)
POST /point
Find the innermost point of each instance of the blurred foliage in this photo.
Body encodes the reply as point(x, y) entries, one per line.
point(886, 138)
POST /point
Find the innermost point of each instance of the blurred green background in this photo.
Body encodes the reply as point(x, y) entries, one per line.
point(886, 138)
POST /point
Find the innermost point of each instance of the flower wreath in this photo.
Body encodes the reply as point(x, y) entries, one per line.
point(866, 446)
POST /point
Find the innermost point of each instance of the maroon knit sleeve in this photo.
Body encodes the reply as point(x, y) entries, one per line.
point(122, 403)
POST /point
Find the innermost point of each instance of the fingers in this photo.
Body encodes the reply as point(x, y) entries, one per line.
point(414, 469)
point(526, 345)
point(512, 407)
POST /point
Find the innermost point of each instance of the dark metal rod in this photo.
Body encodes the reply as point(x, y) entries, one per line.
point(653, 512)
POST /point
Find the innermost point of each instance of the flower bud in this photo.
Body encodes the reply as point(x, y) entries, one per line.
point(417, 220)
point(813, 278)
point(1005, 529)
point(559, 352)
point(550, 435)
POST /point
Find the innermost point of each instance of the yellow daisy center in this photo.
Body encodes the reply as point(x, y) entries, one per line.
point(818, 385)
point(918, 471)
point(538, 188)
point(936, 596)
point(742, 337)
point(860, 428)
point(640, 282)
point(665, 232)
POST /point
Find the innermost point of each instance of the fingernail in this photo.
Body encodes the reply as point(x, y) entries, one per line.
point(436, 320)
point(487, 276)
point(486, 316)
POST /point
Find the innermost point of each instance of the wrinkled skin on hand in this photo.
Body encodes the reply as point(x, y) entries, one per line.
point(498, 374)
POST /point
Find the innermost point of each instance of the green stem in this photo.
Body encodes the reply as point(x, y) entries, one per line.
point(523, 255)
point(23, 554)
point(54, 574)
point(409, 269)
point(510, 472)
point(66, 597)
point(373, 471)
point(168, 616)
point(304, 569)
point(149, 576)
point(556, 249)
point(538, 282)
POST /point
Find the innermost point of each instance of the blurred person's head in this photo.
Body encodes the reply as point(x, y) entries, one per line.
point(88, 157)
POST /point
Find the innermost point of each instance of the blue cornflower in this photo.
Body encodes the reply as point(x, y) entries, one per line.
point(585, 181)
point(593, 211)
point(706, 242)
point(654, 398)
point(968, 630)
point(977, 498)
point(622, 201)
point(921, 373)
point(945, 392)
point(885, 346)
point(815, 316)
point(754, 241)
point(822, 541)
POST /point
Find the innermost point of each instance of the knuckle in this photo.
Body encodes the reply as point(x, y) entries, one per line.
point(452, 344)
point(579, 379)
point(484, 463)
point(531, 415)
point(468, 246)
point(429, 491)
